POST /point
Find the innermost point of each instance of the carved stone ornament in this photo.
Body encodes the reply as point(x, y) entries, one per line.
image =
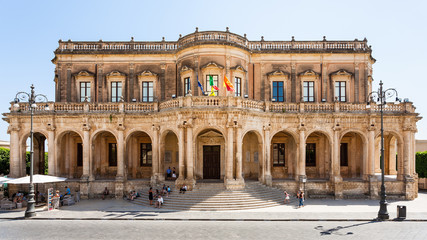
point(115, 73)
point(85, 74)
point(341, 72)
point(238, 68)
point(185, 68)
point(277, 73)
point(147, 73)
point(212, 65)
point(309, 73)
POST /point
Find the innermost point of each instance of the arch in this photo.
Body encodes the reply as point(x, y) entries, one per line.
point(103, 154)
point(290, 132)
point(256, 131)
point(252, 155)
point(213, 141)
point(353, 153)
point(64, 131)
point(393, 153)
point(326, 133)
point(199, 130)
point(69, 154)
point(169, 152)
point(318, 161)
point(138, 154)
point(355, 130)
point(283, 154)
point(39, 144)
point(393, 132)
point(133, 130)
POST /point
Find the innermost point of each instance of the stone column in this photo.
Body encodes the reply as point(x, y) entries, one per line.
point(52, 164)
point(181, 145)
point(268, 180)
point(120, 153)
point(406, 153)
point(190, 157)
point(370, 166)
point(155, 149)
point(15, 160)
point(86, 153)
point(229, 159)
point(293, 83)
point(335, 165)
point(356, 83)
point(239, 165)
point(392, 157)
point(301, 160)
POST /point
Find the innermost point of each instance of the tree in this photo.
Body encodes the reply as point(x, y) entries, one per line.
point(4, 161)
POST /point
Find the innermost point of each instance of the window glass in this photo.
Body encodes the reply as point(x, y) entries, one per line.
point(116, 91)
point(215, 82)
point(278, 91)
point(146, 154)
point(278, 154)
point(237, 86)
point(186, 85)
point(340, 91)
point(344, 154)
point(112, 154)
point(308, 91)
point(310, 155)
point(84, 91)
point(147, 92)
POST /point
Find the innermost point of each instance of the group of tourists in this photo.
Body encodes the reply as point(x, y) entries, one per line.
point(171, 173)
point(158, 195)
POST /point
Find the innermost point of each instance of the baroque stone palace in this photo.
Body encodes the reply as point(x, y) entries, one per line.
point(124, 112)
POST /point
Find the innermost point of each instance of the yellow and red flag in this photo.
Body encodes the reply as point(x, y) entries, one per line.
point(228, 84)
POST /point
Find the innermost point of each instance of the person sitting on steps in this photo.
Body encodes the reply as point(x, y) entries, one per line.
point(183, 189)
point(105, 193)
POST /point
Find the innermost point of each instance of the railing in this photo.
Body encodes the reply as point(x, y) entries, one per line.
point(214, 103)
point(216, 36)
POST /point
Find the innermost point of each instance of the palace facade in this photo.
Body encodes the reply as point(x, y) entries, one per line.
point(124, 112)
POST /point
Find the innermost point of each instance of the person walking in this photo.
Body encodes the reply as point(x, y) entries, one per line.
point(286, 197)
point(301, 199)
point(150, 195)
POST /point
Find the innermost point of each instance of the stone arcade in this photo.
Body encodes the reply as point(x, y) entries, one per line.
point(126, 111)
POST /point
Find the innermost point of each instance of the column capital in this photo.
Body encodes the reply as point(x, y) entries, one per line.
point(86, 127)
point(121, 127)
point(13, 127)
point(302, 128)
point(337, 128)
point(155, 127)
point(267, 128)
point(371, 128)
point(50, 127)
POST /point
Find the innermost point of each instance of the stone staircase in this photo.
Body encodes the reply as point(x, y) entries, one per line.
point(212, 196)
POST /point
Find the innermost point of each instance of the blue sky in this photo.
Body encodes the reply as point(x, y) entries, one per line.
point(30, 31)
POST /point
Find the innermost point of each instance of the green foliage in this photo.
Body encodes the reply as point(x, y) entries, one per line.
point(4, 161)
point(421, 164)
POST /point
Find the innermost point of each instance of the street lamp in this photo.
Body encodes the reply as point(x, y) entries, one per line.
point(32, 100)
point(381, 96)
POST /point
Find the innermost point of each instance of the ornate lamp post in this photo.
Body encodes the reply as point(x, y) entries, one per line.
point(32, 99)
point(381, 96)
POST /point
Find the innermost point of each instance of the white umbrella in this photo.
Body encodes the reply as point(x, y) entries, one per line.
point(5, 179)
point(37, 178)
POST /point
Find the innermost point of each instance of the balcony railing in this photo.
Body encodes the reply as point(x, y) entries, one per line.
point(214, 37)
point(204, 102)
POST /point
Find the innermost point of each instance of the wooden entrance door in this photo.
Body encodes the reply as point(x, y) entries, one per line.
point(211, 162)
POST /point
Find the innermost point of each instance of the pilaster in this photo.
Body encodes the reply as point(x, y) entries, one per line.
point(52, 162)
point(15, 160)
point(155, 160)
point(268, 180)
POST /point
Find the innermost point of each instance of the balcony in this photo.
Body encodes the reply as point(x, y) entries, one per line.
point(206, 103)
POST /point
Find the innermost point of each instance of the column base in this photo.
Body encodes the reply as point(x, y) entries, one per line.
point(268, 180)
point(373, 187)
point(154, 180)
point(338, 187)
point(84, 188)
point(234, 184)
point(411, 186)
point(118, 189)
point(190, 182)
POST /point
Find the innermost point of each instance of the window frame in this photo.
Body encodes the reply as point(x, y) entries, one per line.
point(341, 95)
point(208, 86)
point(279, 163)
point(87, 90)
point(114, 84)
point(146, 85)
point(144, 149)
point(112, 154)
point(276, 91)
point(187, 85)
point(237, 86)
point(307, 85)
point(310, 158)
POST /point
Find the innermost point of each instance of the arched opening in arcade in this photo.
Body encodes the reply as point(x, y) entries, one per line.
point(210, 155)
point(139, 156)
point(252, 156)
point(353, 154)
point(169, 154)
point(283, 154)
point(69, 155)
point(393, 152)
point(40, 156)
point(318, 156)
point(104, 155)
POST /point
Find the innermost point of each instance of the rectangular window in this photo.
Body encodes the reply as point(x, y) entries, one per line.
point(146, 154)
point(308, 91)
point(310, 155)
point(112, 154)
point(147, 92)
point(278, 91)
point(84, 91)
point(215, 83)
point(237, 87)
point(344, 155)
point(79, 155)
point(116, 91)
point(187, 85)
point(278, 154)
point(340, 91)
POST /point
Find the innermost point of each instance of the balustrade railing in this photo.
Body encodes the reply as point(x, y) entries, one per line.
point(212, 36)
point(211, 103)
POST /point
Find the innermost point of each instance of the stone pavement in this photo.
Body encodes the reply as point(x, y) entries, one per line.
point(315, 209)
